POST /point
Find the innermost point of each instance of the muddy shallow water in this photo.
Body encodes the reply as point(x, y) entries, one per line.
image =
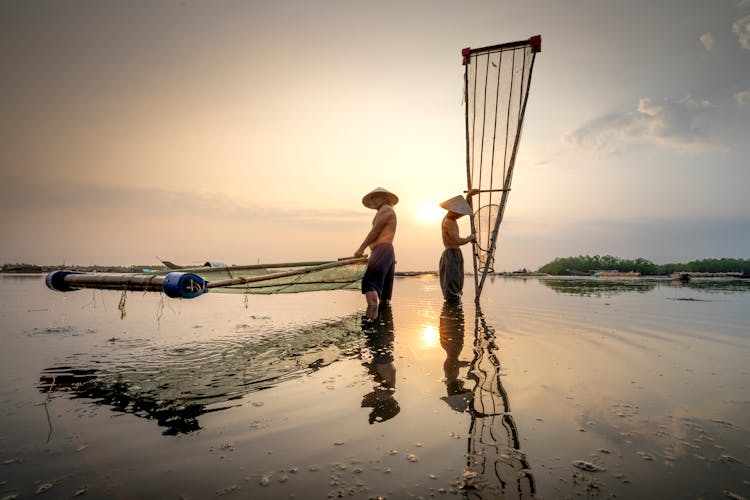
point(552, 389)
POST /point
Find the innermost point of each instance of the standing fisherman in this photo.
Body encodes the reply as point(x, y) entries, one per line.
point(377, 283)
point(452, 260)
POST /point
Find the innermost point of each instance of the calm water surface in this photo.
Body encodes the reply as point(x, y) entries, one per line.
point(553, 389)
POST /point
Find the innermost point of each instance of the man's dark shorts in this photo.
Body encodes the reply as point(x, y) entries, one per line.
point(381, 268)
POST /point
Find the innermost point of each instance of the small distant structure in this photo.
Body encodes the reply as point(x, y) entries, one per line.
point(680, 277)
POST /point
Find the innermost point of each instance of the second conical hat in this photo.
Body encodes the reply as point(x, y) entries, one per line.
point(457, 204)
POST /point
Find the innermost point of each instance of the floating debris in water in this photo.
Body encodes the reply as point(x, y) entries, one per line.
point(338, 443)
point(732, 495)
point(81, 491)
point(645, 456)
point(265, 479)
point(43, 488)
point(588, 466)
point(411, 457)
point(227, 490)
point(729, 459)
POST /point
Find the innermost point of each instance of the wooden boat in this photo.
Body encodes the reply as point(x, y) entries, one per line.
point(191, 282)
point(682, 277)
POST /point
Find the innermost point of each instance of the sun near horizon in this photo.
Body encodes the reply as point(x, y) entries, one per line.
point(429, 213)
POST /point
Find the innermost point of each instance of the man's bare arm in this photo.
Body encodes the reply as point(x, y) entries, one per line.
point(451, 231)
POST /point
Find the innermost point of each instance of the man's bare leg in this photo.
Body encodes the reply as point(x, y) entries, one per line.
point(372, 304)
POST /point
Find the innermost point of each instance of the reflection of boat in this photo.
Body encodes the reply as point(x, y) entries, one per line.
point(617, 274)
point(194, 281)
point(682, 277)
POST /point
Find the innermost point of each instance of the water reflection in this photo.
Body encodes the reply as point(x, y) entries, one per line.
point(175, 386)
point(378, 358)
point(607, 288)
point(452, 341)
point(598, 288)
point(496, 467)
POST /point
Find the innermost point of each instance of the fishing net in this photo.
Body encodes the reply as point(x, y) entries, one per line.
point(484, 225)
point(310, 279)
point(497, 80)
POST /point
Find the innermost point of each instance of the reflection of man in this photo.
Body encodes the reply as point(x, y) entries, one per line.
point(452, 260)
point(377, 283)
point(380, 346)
point(452, 340)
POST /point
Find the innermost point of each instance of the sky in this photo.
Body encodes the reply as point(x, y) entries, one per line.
point(248, 131)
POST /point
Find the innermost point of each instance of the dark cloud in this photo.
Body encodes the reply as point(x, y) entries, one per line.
point(741, 28)
point(669, 123)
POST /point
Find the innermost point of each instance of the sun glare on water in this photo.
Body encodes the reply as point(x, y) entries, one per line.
point(430, 336)
point(429, 213)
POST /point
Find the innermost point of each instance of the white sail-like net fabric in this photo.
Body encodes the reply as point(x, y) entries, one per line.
point(497, 83)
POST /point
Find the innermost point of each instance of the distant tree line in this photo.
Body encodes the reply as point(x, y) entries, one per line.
point(21, 267)
point(591, 263)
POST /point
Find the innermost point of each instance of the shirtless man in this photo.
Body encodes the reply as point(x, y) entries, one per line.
point(377, 283)
point(452, 260)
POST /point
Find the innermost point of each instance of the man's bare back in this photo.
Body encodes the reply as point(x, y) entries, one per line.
point(451, 238)
point(383, 229)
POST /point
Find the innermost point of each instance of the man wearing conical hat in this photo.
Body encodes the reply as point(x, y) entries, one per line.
point(452, 260)
point(377, 283)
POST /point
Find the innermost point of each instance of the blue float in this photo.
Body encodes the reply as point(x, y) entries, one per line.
point(183, 285)
point(56, 281)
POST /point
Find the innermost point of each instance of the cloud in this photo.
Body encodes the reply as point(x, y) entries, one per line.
point(669, 123)
point(742, 98)
point(18, 195)
point(707, 40)
point(741, 28)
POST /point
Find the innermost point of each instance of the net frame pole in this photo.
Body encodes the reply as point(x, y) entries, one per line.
point(474, 248)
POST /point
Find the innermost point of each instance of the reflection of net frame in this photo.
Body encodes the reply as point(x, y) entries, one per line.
point(496, 467)
point(496, 85)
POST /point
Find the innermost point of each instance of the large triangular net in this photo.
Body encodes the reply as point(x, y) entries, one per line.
point(497, 80)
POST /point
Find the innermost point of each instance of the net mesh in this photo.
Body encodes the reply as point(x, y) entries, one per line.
point(345, 277)
point(497, 85)
point(484, 220)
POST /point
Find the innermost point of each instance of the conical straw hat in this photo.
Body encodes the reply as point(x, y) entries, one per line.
point(458, 205)
point(368, 198)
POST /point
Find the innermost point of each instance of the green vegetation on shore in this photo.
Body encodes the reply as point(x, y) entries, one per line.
point(33, 268)
point(589, 264)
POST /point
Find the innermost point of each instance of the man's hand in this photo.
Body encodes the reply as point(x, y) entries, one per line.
point(359, 253)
